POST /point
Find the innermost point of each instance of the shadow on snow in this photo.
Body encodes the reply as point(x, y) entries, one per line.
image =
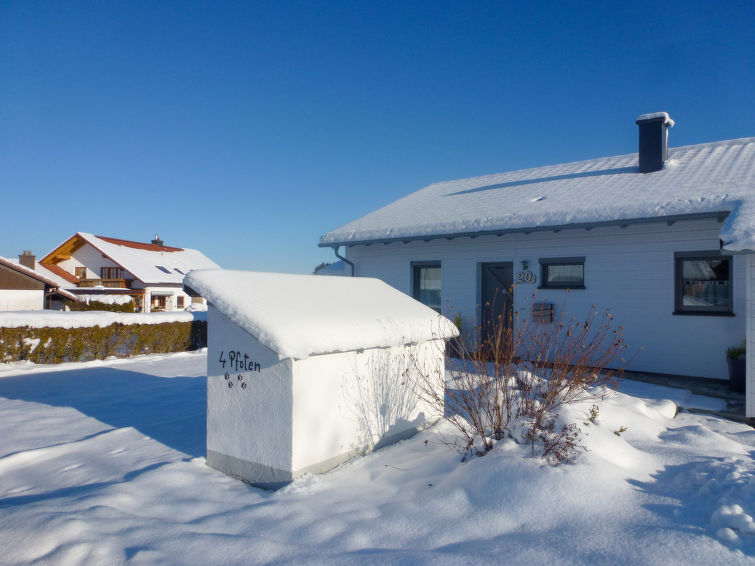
point(170, 410)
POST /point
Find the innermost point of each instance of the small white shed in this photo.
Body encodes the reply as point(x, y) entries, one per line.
point(305, 372)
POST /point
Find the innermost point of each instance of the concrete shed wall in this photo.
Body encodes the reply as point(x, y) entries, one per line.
point(248, 427)
point(628, 270)
point(351, 402)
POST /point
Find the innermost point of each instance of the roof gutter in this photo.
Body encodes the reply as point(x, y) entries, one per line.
point(339, 256)
point(718, 215)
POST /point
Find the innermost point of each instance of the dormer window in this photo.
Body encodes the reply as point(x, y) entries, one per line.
point(163, 269)
point(178, 271)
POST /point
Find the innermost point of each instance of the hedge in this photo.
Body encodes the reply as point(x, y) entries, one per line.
point(51, 345)
point(99, 306)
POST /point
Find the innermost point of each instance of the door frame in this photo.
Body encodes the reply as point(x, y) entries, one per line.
point(481, 292)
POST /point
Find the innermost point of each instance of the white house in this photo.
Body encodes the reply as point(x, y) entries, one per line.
point(664, 239)
point(22, 287)
point(115, 270)
point(304, 371)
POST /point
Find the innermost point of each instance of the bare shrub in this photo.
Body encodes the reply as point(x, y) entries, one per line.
point(514, 374)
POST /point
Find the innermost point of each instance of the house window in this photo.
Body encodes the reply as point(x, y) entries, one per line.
point(562, 273)
point(80, 272)
point(163, 269)
point(179, 302)
point(111, 273)
point(703, 283)
point(159, 303)
point(196, 300)
point(427, 288)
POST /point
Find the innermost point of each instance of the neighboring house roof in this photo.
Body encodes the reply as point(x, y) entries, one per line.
point(59, 274)
point(337, 268)
point(709, 178)
point(13, 264)
point(149, 263)
point(297, 316)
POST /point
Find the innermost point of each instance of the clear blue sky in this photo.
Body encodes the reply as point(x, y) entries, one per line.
point(248, 130)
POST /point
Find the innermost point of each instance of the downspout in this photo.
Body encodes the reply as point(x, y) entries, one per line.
point(339, 256)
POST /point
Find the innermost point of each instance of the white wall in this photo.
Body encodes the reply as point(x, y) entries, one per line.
point(248, 429)
point(171, 300)
point(750, 379)
point(628, 270)
point(21, 300)
point(91, 258)
point(347, 403)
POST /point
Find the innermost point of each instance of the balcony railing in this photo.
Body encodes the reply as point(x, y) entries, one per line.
point(112, 283)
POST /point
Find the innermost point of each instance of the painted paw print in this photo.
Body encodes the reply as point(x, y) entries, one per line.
point(239, 379)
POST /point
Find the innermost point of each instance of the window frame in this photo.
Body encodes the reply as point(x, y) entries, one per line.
point(111, 270)
point(546, 262)
point(679, 308)
point(80, 272)
point(415, 267)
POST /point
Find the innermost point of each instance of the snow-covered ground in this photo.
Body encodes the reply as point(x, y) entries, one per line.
point(102, 463)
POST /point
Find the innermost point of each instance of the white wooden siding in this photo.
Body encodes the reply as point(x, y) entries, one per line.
point(627, 270)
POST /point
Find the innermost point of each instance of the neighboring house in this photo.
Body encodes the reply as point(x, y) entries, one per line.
point(112, 270)
point(666, 242)
point(23, 287)
point(337, 268)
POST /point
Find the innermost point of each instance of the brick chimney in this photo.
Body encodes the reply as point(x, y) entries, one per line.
point(27, 259)
point(653, 140)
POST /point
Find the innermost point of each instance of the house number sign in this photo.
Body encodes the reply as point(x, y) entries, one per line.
point(526, 277)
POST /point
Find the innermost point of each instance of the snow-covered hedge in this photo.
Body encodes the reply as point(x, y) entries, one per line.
point(85, 336)
point(62, 319)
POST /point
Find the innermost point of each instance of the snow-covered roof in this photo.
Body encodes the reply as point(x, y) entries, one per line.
point(298, 316)
point(714, 177)
point(150, 263)
point(45, 277)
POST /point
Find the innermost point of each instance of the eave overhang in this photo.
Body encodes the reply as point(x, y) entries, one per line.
point(719, 216)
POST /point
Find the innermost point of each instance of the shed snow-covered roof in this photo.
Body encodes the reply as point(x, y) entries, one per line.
point(298, 316)
point(150, 263)
point(714, 177)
